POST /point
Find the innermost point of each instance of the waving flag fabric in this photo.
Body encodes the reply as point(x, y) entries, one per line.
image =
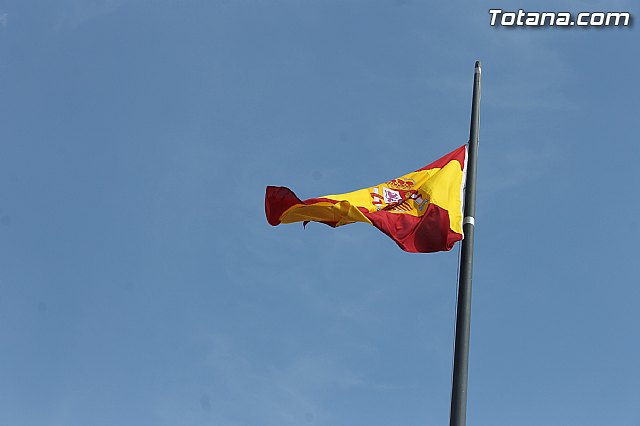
point(421, 211)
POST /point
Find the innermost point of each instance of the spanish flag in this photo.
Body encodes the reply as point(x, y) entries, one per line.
point(421, 211)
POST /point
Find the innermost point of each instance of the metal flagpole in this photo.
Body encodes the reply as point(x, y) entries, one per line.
point(461, 351)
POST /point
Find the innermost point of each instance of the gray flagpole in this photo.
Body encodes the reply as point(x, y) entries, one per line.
point(461, 351)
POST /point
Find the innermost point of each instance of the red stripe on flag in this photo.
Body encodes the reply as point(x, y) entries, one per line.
point(425, 234)
point(276, 201)
point(457, 154)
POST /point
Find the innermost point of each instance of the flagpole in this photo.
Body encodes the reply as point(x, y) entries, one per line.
point(461, 352)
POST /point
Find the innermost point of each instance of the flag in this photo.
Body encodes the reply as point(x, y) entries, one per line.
point(421, 211)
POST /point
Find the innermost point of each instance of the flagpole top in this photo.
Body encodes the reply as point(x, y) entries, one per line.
point(478, 69)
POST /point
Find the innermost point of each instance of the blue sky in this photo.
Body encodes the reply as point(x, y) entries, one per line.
point(140, 283)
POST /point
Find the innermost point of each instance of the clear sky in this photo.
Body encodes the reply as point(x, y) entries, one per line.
point(140, 283)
